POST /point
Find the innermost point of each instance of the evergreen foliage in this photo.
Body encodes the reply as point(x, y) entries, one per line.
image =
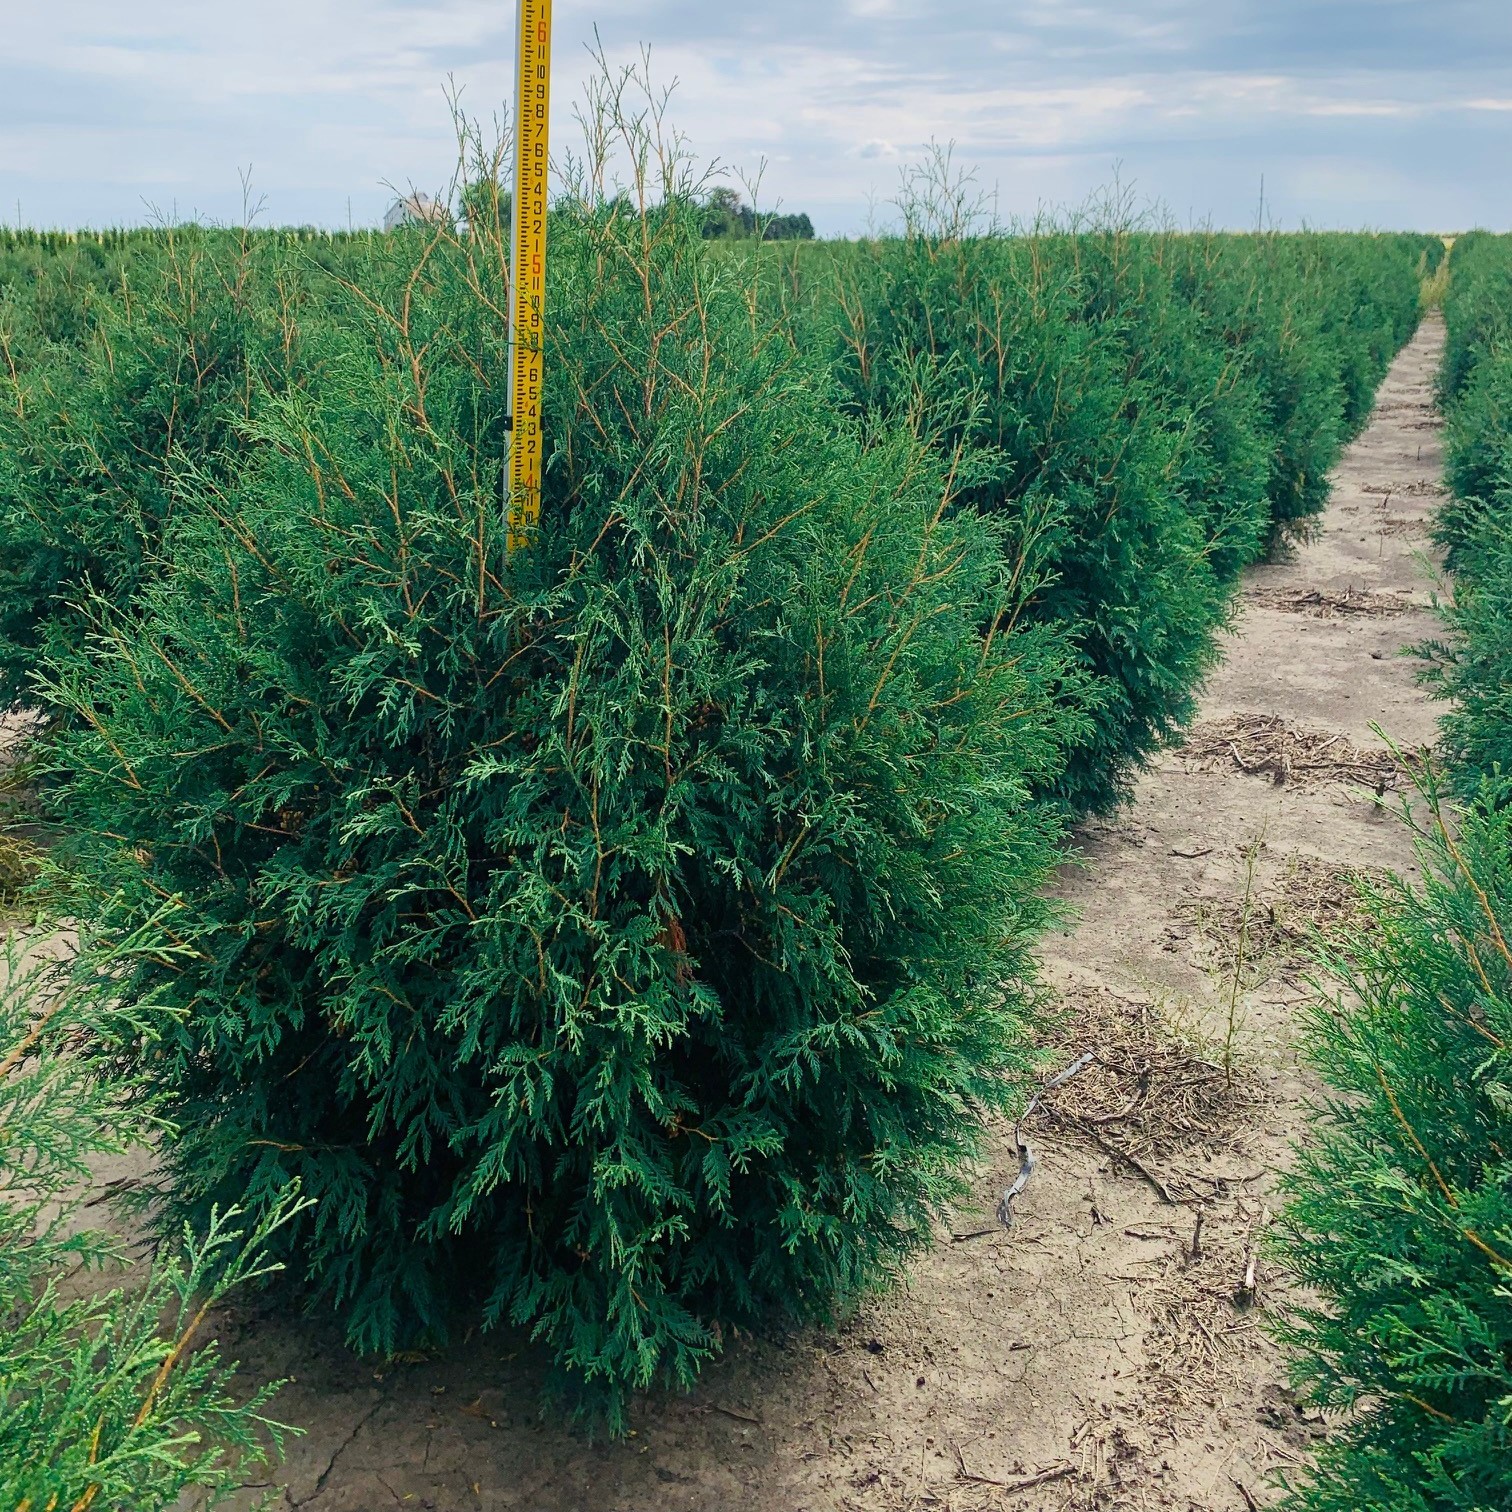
point(49, 293)
point(1169, 403)
point(91, 428)
point(107, 1398)
point(628, 937)
point(1162, 406)
point(1003, 352)
point(1472, 666)
point(1400, 1214)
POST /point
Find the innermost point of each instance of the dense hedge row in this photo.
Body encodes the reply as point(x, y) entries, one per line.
point(1401, 1211)
point(1474, 666)
point(1149, 411)
point(175, 344)
point(1400, 1217)
point(630, 936)
point(1158, 408)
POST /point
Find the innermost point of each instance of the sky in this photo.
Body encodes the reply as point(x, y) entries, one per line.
point(1354, 113)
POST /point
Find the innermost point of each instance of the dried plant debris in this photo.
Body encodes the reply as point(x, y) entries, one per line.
point(1265, 745)
point(1278, 924)
point(1321, 604)
point(1205, 1301)
point(1152, 1103)
point(1413, 488)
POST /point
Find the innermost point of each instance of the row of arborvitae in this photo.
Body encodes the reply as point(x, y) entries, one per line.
point(628, 938)
point(619, 940)
point(1157, 408)
point(1474, 665)
point(1400, 1214)
point(1400, 1210)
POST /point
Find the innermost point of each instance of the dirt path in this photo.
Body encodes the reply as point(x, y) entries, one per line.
point(1084, 1359)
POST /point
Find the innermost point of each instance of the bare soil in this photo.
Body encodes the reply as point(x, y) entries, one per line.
point(1107, 1350)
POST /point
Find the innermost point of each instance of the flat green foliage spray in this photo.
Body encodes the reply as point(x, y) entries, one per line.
point(111, 1395)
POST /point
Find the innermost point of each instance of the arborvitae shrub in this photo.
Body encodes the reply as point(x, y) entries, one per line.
point(1472, 666)
point(1477, 307)
point(1400, 1212)
point(627, 937)
point(1475, 388)
point(1313, 322)
point(1266, 315)
point(1206, 394)
point(1160, 406)
point(988, 345)
point(91, 430)
point(1371, 302)
point(1479, 461)
point(49, 295)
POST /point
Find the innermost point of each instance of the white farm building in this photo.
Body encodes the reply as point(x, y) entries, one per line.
point(413, 210)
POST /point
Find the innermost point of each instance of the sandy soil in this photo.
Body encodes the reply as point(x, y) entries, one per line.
point(1085, 1358)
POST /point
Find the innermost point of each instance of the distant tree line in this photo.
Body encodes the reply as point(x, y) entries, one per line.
point(724, 215)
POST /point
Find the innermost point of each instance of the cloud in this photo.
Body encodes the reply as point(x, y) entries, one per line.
point(1386, 110)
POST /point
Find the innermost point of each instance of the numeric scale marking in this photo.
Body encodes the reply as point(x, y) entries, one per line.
point(527, 295)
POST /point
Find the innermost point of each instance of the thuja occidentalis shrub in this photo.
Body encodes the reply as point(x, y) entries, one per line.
point(982, 344)
point(626, 937)
point(1400, 1208)
point(114, 1397)
point(1475, 392)
point(1168, 406)
point(1471, 665)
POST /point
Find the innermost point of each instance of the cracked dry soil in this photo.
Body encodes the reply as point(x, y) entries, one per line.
point(1094, 1356)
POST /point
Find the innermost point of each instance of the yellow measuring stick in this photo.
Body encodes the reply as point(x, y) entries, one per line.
point(527, 297)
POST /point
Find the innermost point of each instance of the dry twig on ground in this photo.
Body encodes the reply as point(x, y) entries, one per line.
point(1322, 604)
point(1265, 745)
point(1145, 1099)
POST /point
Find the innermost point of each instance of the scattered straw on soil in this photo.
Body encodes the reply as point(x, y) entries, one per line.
point(1170, 1117)
point(1148, 1101)
point(1206, 1300)
point(1321, 604)
point(1278, 923)
point(1265, 745)
point(1413, 488)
